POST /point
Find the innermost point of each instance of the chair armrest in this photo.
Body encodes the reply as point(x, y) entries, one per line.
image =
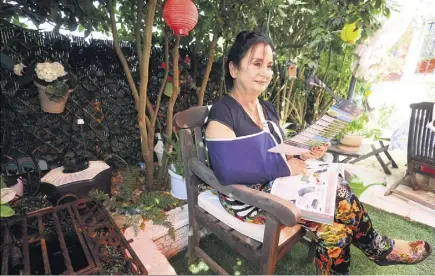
point(285, 211)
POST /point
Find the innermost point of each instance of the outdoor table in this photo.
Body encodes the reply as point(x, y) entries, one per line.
point(366, 150)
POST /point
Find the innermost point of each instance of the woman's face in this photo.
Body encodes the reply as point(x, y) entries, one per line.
point(255, 71)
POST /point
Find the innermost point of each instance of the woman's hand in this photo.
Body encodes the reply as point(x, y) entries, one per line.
point(316, 152)
point(297, 166)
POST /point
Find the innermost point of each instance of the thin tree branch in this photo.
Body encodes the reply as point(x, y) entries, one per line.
point(138, 33)
point(208, 69)
point(121, 56)
point(143, 99)
point(165, 78)
point(144, 122)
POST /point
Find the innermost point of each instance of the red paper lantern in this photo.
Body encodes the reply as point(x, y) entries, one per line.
point(181, 16)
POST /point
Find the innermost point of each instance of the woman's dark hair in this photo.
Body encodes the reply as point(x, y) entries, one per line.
point(244, 41)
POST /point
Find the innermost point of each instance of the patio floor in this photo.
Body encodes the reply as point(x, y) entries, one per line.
point(370, 172)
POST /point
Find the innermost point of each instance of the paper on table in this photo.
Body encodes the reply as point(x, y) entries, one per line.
point(288, 149)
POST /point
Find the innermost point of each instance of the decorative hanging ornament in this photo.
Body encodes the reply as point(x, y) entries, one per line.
point(181, 16)
point(350, 33)
point(292, 71)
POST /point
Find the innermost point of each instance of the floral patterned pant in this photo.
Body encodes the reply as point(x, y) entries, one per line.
point(352, 225)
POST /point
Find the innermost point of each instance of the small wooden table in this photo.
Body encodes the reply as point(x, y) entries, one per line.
point(363, 153)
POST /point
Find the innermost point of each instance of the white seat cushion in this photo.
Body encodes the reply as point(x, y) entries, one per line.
point(209, 201)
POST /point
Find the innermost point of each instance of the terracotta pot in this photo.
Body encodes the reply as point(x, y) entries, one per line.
point(352, 140)
point(46, 104)
point(347, 148)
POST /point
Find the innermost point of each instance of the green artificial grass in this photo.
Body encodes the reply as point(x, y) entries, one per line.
point(295, 262)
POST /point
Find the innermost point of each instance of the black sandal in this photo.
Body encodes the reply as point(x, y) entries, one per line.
point(407, 259)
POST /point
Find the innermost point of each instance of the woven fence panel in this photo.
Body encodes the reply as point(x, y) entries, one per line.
point(103, 98)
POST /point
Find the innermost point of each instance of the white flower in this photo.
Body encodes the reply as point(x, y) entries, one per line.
point(18, 69)
point(49, 72)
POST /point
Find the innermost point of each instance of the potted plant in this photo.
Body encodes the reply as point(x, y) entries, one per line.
point(176, 169)
point(54, 86)
point(351, 137)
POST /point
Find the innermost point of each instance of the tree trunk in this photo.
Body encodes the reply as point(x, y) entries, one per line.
point(162, 169)
point(282, 99)
point(194, 63)
point(287, 102)
point(143, 89)
point(222, 83)
point(138, 32)
point(172, 100)
point(208, 69)
point(140, 96)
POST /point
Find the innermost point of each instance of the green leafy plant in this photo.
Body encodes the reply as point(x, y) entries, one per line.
point(137, 205)
point(57, 91)
point(359, 127)
point(7, 194)
point(174, 155)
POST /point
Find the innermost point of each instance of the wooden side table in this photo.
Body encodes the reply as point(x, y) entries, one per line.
point(363, 153)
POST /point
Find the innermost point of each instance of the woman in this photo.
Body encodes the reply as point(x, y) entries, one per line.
point(242, 127)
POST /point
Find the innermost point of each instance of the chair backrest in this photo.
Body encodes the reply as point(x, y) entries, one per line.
point(191, 123)
point(421, 140)
point(193, 119)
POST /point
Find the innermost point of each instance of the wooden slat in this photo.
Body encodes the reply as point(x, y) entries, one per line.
point(26, 253)
point(414, 198)
point(411, 135)
point(210, 262)
point(247, 241)
point(269, 250)
point(200, 146)
point(5, 254)
point(207, 222)
point(388, 154)
point(192, 192)
point(288, 244)
point(204, 212)
point(224, 226)
point(192, 117)
point(373, 152)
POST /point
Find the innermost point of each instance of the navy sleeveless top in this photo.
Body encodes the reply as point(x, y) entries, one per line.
point(245, 159)
point(230, 112)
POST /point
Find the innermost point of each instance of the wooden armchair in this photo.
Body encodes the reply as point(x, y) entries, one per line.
point(281, 214)
point(421, 150)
